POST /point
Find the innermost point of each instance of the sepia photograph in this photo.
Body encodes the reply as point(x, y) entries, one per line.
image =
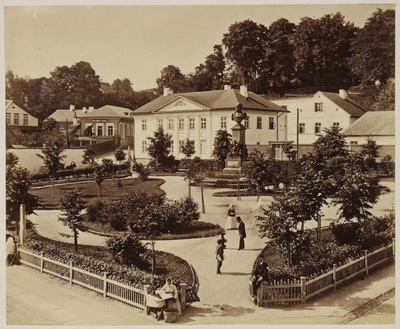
point(199, 163)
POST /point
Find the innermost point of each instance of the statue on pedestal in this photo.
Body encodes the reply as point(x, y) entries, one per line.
point(238, 116)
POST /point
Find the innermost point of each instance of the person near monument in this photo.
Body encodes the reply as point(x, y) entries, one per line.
point(242, 232)
point(219, 255)
point(231, 219)
point(260, 274)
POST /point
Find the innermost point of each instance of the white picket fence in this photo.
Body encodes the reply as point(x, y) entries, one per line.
point(299, 291)
point(99, 283)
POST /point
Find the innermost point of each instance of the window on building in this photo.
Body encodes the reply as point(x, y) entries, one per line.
point(144, 124)
point(247, 123)
point(318, 107)
point(336, 124)
point(8, 118)
point(317, 127)
point(160, 123)
point(16, 118)
point(203, 123)
point(353, 143)
point(144, 146)
point(25, 119)
point(110, 130)
point(99, 130)
point(271, 123)
point(223, 122)
point(171, 149)
point(191, 123)
point(181, 143)
point(302, 128)
point(203, 147)
point(181, 124)
point(170, 124)
point(259, 122)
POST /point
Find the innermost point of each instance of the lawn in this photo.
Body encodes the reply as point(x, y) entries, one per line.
point(49, 197)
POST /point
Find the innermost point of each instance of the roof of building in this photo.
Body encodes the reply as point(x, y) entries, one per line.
point(214, 100)
point(10, 102)
point(108, 111)
point(64, 114)
point(347, 104)
point(373, 123)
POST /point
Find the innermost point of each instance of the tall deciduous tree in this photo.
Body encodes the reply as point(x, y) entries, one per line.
point(160, 146)
point(322, 47)
point(245, 43)
point(279, 66)
point(78, 85)
point(171, 77)
point(222, 146)
point(374, 48)
point(196, 172)
point(88, 156)
point(71, 206)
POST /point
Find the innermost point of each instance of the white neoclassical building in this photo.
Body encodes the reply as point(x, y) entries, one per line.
point(197, 116)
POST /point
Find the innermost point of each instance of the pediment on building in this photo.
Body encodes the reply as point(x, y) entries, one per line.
point(181, 104)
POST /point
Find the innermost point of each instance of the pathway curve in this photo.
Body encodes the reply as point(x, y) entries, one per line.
point(220, 294)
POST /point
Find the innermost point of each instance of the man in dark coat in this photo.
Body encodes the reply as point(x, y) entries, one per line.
point(242, 232)
point(219, 255)
point(260, 274)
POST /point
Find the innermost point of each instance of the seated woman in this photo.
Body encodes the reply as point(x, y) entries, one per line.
point(171, 290)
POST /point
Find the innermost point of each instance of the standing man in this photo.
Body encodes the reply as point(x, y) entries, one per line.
point(242, 233)
point(219, 255)
point(260, 274)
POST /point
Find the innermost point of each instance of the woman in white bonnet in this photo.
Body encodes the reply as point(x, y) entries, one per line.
point(231, 223)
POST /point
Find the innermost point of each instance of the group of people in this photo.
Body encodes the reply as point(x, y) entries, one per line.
point(260, 271)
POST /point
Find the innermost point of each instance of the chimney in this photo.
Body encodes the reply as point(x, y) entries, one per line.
point(91, 108)
point(343, 94)
point(227, 87)
point(72, 107)
point(167, 91)
point(243, 91)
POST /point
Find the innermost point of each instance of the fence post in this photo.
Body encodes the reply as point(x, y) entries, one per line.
point(183, 296)
point(71, 270)
point(334, 276)
point(366, 261)
point(146, 291)
point(303, 298)
point(105, 284)
point(41, 262)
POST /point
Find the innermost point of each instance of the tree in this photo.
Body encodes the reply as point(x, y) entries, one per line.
point(222, 146)
point(245, 43)
point(17, 189)
point(78, 85)
point(171, 77)
point(358, 191)
point(374, 48)
point(258, 170)
point(322, 47)
point(71, 206)
point(196, 173)
point(188, 148)
point(99, 177)
point(159, 147)
point(53, 158)
point(148, 219)
point(385, 98)
point(17, 89)
point(278, 69)
point(370, 152)
point(88, 156)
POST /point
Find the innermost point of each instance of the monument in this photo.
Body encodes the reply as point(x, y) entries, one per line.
point(238, 152)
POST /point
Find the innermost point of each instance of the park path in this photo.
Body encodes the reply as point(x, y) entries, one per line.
point(221, 295)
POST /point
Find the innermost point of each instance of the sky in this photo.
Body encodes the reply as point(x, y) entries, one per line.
point(137, 41)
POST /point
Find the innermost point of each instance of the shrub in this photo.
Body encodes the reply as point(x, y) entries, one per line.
point(96, 212)
point(347, 233)
point(117, 221)
point(142, 171)
point(381, 231)
point(128, 250)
